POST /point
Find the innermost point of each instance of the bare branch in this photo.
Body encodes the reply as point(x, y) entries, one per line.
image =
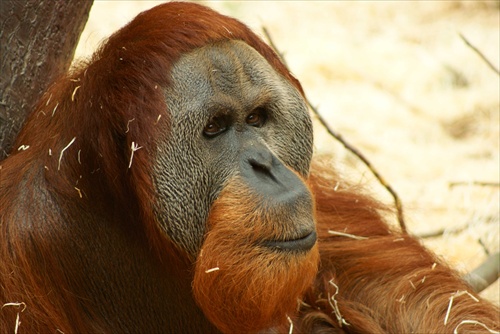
point(484, 275)
point(441, 232)
point(474, 183)
point(483, 57)
point(273, 46)
point(357, 153)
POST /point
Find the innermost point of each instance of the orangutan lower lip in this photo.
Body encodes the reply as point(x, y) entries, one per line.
point(304, 243)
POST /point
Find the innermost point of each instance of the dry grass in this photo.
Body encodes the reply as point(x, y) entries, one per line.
point(398, 82)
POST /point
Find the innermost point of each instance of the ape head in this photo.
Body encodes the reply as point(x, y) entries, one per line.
point(233, 118)
point(186, 126)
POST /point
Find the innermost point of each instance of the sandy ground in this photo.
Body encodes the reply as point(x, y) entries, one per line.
point(398, 82)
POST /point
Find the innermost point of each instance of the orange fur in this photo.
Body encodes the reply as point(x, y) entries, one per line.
point(252, 288)
point(388, 282)
point(94, 259)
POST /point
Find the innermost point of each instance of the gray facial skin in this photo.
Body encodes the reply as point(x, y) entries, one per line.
point(217, 94)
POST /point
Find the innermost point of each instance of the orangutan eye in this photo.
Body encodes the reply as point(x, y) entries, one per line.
point(256, 118)
point(214, 127)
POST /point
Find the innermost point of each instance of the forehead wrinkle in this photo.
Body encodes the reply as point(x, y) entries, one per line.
point(226, 73)
point(223, 78)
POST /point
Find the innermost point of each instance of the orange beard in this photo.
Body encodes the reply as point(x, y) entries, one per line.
point(241, 286)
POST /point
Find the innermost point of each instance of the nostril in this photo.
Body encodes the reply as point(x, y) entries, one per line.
point(262, 168)
point(259, 166)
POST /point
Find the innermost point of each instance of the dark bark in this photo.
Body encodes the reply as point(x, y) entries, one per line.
point(38, 39)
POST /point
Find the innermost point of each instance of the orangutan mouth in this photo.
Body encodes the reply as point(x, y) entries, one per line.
point(303, 243)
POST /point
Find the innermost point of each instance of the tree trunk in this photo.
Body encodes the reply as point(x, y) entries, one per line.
point(38, 39)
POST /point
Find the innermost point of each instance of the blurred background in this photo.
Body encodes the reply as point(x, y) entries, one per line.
point(397, 81)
